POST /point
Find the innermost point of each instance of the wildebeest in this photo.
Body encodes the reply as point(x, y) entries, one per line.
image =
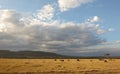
point(62, 60)
point(78, 60)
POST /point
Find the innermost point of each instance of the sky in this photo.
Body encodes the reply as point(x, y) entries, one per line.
point(69, 27)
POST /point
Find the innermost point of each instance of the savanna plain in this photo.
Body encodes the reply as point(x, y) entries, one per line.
point(59, 66)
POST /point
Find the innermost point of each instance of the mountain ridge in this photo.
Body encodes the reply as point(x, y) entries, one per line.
point(43, 55)
point(30, 54)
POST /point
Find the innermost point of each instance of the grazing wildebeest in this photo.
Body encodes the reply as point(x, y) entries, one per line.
point(62, 60)
point(105, 61)
point(78, 60)
point(55, 59)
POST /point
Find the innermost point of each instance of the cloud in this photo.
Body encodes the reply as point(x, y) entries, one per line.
point(100, 31)
point(46, 13)
point(39, 31)
point(65, 5)
point(3, 28)
point(45, 35)
point(111, 29)
point(94, 19)
point(118, 41)
point(10, 20)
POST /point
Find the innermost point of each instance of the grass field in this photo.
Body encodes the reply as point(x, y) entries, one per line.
point(59, 66)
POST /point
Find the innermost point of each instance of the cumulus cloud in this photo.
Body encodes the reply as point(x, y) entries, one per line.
point(65, 5)
point(3, 28)
point(46, 36)
point(40, 32)
point(100, 31)
point(46, 13)
point(9, 20)
point(94, 19)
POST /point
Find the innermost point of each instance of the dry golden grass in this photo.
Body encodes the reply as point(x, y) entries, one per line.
point(59, 66)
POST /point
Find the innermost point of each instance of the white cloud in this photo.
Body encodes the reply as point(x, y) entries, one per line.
point(100, 31)
point(111, 29)
point(65, 5)
point(46, 13)
point(96, 27)
point(118, 41)
point(68, 24)
point(9, 19)
point(94, 19)
point(3, 28)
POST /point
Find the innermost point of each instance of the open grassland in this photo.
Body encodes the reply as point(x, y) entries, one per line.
point(59, 66)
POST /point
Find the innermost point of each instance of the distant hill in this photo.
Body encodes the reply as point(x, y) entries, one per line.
point(42, 55)
point(30, 54)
